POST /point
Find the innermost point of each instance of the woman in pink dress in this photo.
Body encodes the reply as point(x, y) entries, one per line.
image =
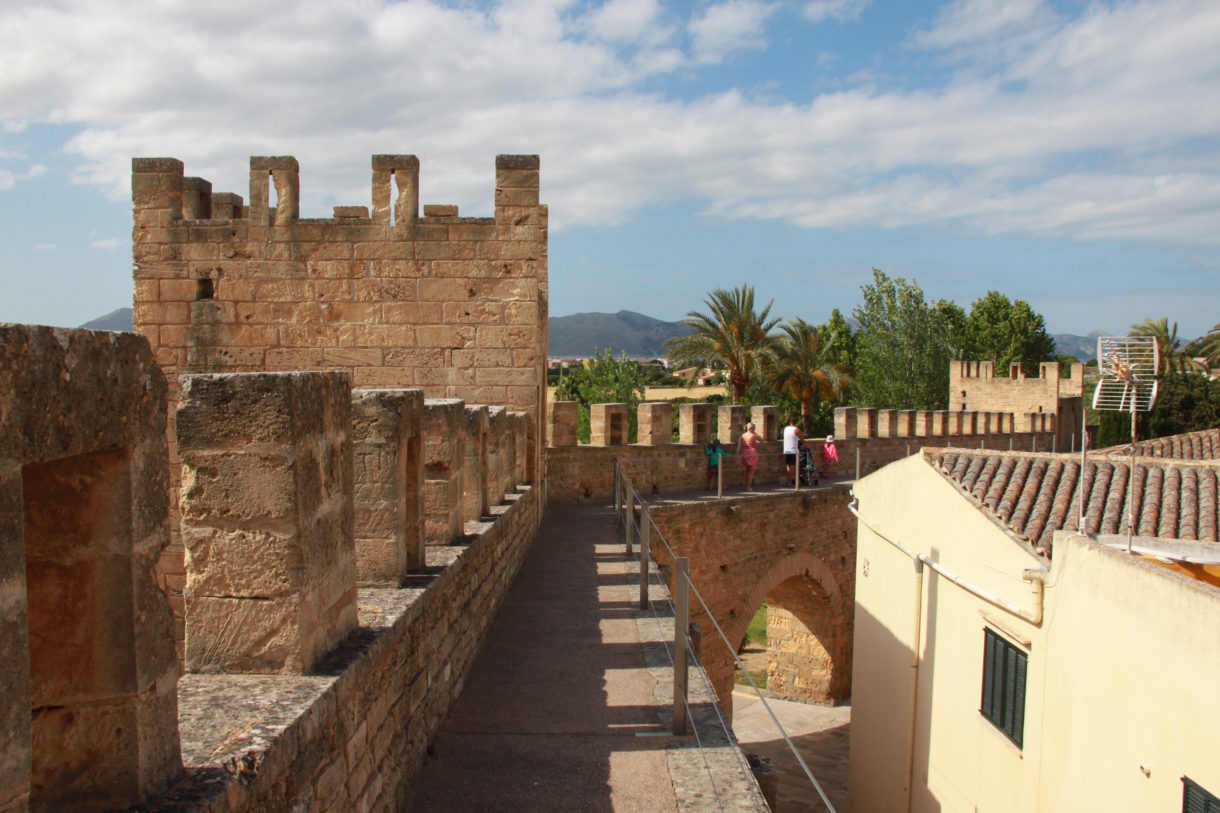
point(747, 450)
point(830, 455)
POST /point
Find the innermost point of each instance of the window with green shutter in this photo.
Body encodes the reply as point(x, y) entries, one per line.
point(1004, 666)
point(1196, 800)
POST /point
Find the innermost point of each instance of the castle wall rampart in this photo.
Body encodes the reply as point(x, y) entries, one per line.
point(454, 306)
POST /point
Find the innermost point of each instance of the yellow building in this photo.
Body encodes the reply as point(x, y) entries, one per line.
point(1004, 662)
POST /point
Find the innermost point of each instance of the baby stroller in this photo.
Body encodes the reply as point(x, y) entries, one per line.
point(808, 474)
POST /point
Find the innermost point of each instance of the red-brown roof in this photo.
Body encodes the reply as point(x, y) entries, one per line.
point(1034, 495)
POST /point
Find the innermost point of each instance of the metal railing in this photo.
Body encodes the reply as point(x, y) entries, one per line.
point(684, 650)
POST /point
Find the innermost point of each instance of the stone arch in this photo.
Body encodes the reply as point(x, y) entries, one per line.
point(810, 602)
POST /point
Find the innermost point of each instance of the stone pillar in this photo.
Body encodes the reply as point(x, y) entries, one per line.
point(196, 199)
point(940, 422)
point(730, 423)
point(956, 421)
point(766, 421)
point(924, 424)
point(845, 422)
point(654, 423)
point(519, 422)
point(694, 423)
point(476, 501)
point(267, 519)
point(887, 423)
point(387, 451)
point(608, 424)
point(970, 422)
point(88, 676)
point(404, 171)
point(906, 423)
point(866, 422)
point(497, 454)
point(565, 418)
point(444, 459)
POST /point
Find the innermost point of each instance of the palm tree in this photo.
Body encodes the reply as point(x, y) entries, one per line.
point(803, 370)
point(733, 335)
point(1174, 358)
point(1207, 346)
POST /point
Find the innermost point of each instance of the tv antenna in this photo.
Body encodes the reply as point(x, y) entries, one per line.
point(1128, 366)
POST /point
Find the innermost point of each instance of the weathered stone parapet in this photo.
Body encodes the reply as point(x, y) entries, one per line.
point(866, 423)
point(564, 423)
point(731, 420)
point(906, 423)
point(694, 423)
point(608, 424)
point(500, 454)
point(387, 450)
point(88, 707)
point(654, 423)
point(845, 422)
point(476, 501)
point(519, 426)
point(887, 423)
point(925, 423)
point(766, 421)
point(444, 460)
point(267, 521)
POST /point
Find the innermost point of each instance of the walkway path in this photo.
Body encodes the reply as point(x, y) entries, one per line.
point(560, 710)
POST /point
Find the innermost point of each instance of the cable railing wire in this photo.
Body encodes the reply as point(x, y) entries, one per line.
point(634, 497)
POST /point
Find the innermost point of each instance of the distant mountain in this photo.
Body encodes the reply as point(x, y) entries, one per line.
point(1082, 347)
point(115, 320)
point(637, 335)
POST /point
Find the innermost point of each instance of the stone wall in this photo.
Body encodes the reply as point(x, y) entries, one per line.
point(876, 437)
point(796, 551)
point(353, 735)
point(974, 386)
point(455, 306)
point(88, 705)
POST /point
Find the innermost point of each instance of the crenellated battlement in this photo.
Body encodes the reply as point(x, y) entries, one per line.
point(167, 197)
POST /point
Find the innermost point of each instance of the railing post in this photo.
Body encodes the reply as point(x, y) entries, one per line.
point(628, 519)
point(858, 461)
point(681, 625)
point(645, 552)
point(618, 488)
point(720, 478)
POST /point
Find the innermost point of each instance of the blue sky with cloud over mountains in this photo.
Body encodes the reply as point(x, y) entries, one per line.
point(1066, 153)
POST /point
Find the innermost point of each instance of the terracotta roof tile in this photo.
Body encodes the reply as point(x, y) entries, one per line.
point(1034, 495)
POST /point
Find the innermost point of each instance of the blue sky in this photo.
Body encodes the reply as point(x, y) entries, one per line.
point(1065, 153)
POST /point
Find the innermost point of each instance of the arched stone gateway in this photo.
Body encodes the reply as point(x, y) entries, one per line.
point(797, 551)
point(808, 630)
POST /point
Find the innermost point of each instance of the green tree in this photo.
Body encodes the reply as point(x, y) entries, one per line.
point(956, 334)
point(733, 336)
point(838, 340)
point(802, 369)
point(1208, 347)
point(603, 379)
point(1005, 332)
point(1174, 357)
point(902, 352)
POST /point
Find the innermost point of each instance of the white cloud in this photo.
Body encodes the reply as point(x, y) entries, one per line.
point(841, 10)
point(106, 243)
point(729, 26)
point(44, 246)
point(1092, 126)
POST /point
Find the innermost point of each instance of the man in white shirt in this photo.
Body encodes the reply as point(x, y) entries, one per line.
point(792, 445)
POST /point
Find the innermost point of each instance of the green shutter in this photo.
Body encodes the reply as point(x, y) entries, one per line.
point(1004, 671)
point(1197, 800)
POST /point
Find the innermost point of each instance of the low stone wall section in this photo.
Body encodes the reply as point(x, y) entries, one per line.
point(353, 735)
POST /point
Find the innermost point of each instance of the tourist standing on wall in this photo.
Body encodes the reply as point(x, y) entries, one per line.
point(714, 452)
point(830, 455)
point(792, 445)
point(747, 449)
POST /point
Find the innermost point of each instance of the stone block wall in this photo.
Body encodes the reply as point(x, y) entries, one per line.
point(444, 469)
point(387, 500)
point(475, 500)
point(797, 552)
point(455, 306)
point(654, 423)
point(974, 387)
point(267, 519)
point(88, 700)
